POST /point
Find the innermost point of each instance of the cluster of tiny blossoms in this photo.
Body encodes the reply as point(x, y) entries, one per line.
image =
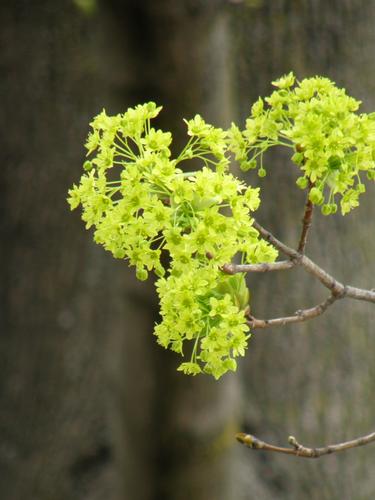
point(141, 205)
point(330, 143)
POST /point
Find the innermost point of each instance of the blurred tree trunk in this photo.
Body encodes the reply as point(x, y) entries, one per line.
point(179, 428)
point(58, 292)
point(90, 406)
point(315, 381)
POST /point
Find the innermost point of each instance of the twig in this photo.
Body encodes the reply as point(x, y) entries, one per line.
point(290, 252)
point(258, 268)
point(306, 221)
point(360, 294)
point(338, 290)
point(297, 258)
point(299, 316)
point(302, 451)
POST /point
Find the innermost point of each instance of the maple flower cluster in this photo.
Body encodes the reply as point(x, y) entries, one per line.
point(330, 143)
point(141, 204)
point(184, 226)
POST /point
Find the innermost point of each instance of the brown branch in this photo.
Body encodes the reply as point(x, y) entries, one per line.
point(292, 254)
point(299, 316)
point(257, 268)
point(360, 294)
point(326, 279)
point(306, 221)
point(338, 290)
point(302, 451)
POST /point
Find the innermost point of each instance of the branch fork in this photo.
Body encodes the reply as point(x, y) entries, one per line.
point(337, 291)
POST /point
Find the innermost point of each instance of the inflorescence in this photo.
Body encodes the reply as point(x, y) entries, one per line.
point(184, 226)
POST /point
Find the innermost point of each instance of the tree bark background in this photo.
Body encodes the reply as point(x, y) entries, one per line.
point(315, 380)
point(90, 407)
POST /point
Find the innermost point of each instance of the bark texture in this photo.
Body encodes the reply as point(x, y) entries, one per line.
point(316, 380)
point(91, 407)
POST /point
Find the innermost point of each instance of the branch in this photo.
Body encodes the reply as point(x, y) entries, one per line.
point(306, 221)
point(338, 290)
point(299, 316)
point(257, 268)
point(326, 279)
point(302, 451)
point(290, 252)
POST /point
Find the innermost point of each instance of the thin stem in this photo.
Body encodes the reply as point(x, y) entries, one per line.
point(127, 149)
point(193, 173)
point(325, 278)
point(306, 221)
point(298, 317)
point(119, 151)
point(206, 160)
point(338, 290)
point(258, 268)
point(190, 144)
point(300, 450)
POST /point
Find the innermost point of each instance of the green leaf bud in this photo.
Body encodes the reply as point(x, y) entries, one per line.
point(334, 163)
point(333, 208)
point(87, 165)
point(302, 182)
point(316, 196)
point(159, 271)
point(262, 172)
point(361, 188)
point(298, 158)
point(141, 274)
point(248, 165)
point(230, 364)
point(326, 209)
point(285, 81)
